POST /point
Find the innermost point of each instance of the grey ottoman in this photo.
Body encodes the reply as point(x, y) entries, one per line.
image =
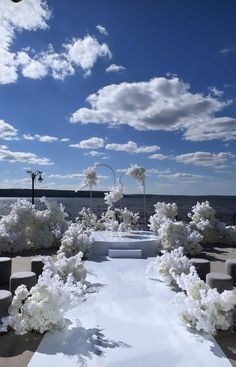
point(5, 269)
point(202, 266)
point(5, 301)
point(27, 278)
point(37, 266)
point(221, 281)
point(230, 268)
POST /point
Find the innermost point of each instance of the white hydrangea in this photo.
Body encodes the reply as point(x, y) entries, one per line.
point(87, 218)
point(213, 231)
point(44, 306)
point(114, 195)
point(169, 265)
point(201, 307)
point(25, 227)
point(163, 211)
point(90, 177)
point(110, 220)
point(63, 266)
point(178, 234)
point(128, 220)
point(76, 239)
point(118, 220)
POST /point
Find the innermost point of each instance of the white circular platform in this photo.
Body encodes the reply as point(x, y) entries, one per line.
point(147, 241)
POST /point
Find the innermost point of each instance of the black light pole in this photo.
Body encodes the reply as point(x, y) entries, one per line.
point(33, 177)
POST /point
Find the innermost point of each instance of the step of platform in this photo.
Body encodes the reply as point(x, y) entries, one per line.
point(123, 253)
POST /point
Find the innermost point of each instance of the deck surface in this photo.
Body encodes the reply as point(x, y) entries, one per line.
point(129, 321)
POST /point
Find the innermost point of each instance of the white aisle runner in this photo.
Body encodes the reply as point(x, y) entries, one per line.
point(129, 322)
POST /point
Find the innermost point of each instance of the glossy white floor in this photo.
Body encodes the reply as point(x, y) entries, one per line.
point(129, 322)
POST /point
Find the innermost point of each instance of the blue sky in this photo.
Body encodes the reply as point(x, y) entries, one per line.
point(119, 82)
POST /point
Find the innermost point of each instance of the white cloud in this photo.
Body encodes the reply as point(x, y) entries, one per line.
point(159, 104)
point(132, 147)
point(113, 68)
point(95, 153)
point(205, 159)
point(28, 137)
point(160, 157)
point(41, 138)
point(91, 143)
point(85, 52)
point(64, 140)
point(31, 15)
point(223, 128)
point(27, 15)
point(34, 70)
point(226, 51)
point(216, 92)
point(46, 138)
point(7, 131)
point(182, 176)
point(102, 29)
point(25, 157)
point(67, 176)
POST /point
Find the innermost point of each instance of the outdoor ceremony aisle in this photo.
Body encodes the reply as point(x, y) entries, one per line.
point(129, 321)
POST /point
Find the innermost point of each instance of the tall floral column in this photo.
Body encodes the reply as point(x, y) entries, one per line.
point(138, 173)
point(90, 179)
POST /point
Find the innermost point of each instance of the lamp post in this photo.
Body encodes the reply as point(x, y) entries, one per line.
point(33, 176)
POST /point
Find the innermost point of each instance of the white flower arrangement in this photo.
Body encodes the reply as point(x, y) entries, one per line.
point(109, 220)
point(201, 307)
point(43, 307)
point(178, 234)
point(129, 220)
point(87, 218)
point(118, 220)
point(163, 211)
point(76, 240)
point(25, 227)
point(169, 265)
point(213, 231)
point(67, 265)
point(138, 173)
point(90, 177)
point(114, 195)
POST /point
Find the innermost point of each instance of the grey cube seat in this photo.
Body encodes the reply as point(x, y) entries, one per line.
point(5, 269)
point(221, 281)
point(37, 266)
point(5, 301)
point(230, 268)
point(202, 267)
point(28, 278)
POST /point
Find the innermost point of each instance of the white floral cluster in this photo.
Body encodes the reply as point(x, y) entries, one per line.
point(163, 212)
point(67, 265)
point(76, 240)
point(114, 195)
point(169, 265)
point(178, 234)
point(90, 177)
point(119, 220)
point(174, 234)
point(59, 288)
point(213, 231)
point(88, 219)
point(25, 227)
point(43, 307)
point(138, 173)
point(201, 307)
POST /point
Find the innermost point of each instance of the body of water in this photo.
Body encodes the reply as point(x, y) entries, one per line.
point(225, 206)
